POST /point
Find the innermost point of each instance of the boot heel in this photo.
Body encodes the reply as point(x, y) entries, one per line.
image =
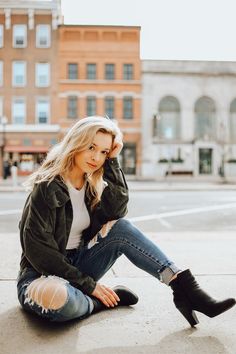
point(190, 315)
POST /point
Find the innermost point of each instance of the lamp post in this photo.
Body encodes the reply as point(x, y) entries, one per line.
point(4, 122)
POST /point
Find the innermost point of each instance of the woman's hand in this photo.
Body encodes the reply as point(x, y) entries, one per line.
point(116, 147)
point(106, 295)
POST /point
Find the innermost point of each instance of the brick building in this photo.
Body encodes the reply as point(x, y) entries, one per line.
point(100, 75)
point(28, 80)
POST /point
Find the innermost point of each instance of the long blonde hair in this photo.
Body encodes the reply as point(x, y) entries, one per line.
point(60, 158)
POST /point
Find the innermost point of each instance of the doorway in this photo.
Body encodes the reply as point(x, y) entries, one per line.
point(205, 161)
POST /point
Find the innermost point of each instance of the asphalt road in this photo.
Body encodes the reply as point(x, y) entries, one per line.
point(154, 211)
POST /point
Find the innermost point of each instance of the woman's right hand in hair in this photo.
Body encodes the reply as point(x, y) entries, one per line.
point(106, 295)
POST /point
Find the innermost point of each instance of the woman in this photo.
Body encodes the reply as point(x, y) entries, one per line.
point(72, 231)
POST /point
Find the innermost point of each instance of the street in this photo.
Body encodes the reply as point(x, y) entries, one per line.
point(153, 211)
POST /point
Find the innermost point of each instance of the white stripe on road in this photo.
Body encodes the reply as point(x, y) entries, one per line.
point(164, 223)
point(182, 212)
point(11, 212)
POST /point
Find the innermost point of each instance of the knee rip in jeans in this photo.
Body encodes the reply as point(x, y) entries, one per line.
point(50, 293)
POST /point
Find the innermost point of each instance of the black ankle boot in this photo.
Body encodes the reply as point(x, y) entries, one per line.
point(188, 296)
point(127, 298)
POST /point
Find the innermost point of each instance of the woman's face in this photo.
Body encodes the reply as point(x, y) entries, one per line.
point(90, 160)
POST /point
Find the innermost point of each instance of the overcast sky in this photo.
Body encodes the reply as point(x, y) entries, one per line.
point(171, 29)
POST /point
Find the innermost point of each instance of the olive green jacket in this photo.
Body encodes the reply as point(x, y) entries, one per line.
point(47, 218)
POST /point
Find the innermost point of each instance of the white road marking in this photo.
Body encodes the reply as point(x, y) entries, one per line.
point(11, 212)
point(182, 212)
point(165, 223)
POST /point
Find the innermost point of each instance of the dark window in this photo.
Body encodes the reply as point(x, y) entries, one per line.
point(109, 71)
point(91, 71)
point(128, 72)
point(128, 107)
point(110, 107)
point(72, 107)
point(91, 106)
point(72, 71)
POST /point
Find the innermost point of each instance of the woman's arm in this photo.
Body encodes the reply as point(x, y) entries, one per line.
point(40, 246)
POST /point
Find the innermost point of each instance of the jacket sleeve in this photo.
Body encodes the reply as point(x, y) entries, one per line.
point(41, 248)
point(114, 199)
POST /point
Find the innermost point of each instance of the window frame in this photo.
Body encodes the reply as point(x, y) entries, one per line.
point(130, 99)
point(91, 75)
point(1, 36)
point(14, 44)
point(108, 72)
point(127, 73)
point(37, 118)
point(37, 81)
point(37, 34)
point(14, 83)
point(70, 109)
point(106, 101)
point(94, 109)
point(14, 99)
point(69, 71)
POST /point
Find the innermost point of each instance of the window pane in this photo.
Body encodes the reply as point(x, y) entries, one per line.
point(72, 71)
point(42, 111)
point(91, 71)
point(109, 106)
point(1, 35)
point(205, 125)
point(128, 107)
point(110, 71)
point(43, 36)
point(18, 111)
point(19, 73)
point(42, 74)
point(168, 125)
point(128, 71)
point(72, 107)
point(19, 36)
point(91, 106)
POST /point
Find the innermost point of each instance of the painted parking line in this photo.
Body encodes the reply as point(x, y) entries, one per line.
point(183, 212)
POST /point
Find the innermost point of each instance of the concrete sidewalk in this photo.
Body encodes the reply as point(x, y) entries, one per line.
point(152, 326)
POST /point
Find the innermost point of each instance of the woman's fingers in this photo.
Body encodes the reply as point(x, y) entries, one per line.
point(115, 296)
point(111, 296)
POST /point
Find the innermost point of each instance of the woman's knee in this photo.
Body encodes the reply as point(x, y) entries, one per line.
point(48, 292)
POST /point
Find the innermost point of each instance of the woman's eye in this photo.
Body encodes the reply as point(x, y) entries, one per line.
point(91, 147)
point(105, 152)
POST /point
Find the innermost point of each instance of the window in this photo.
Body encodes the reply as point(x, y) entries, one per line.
point(109, 106)
point(19, 73)
point(1, 35)
point(91, 71)
point(109, 71)
point(42, 111)
point(43, 36)
point(42, 71)
point(232, 121)
point(128, 107)
point(1, 73)
point(128, 71)
point(72, 107)
point(18, 110)
point(72, 71)
point(19, 36)
point(205, 120)
point(91, 106)
point(168, 124)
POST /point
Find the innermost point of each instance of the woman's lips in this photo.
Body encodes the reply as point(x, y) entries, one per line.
point(91, 165)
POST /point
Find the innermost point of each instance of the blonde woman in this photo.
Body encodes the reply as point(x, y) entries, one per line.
point(73, 229)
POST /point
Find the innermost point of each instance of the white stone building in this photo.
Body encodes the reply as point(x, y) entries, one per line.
point(189, 118)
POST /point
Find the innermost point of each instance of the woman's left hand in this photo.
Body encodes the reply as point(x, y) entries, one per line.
point(116, 147)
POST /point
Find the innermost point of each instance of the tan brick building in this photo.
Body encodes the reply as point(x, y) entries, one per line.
point(28, 80)
point(100, 75)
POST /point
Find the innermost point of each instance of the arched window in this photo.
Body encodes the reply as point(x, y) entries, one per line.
point(168, 120)
point(233, 121)
point(205, 122)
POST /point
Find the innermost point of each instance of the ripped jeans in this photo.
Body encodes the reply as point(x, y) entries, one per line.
point(123, 238)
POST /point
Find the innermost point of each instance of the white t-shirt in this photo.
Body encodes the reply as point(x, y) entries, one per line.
point(81, 219)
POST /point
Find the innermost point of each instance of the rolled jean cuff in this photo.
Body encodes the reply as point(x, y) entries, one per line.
point(167, 274)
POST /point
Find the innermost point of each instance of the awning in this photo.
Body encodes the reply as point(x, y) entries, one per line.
point(26, 149)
